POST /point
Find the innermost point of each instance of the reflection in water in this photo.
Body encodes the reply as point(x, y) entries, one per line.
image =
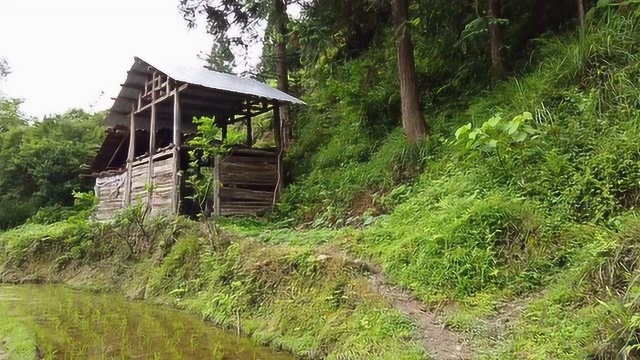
point(71, 324)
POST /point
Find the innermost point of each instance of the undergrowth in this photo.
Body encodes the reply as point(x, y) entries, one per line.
point(500, 222)
point(314, 302)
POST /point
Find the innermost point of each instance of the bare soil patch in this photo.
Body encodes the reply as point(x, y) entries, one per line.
point(441, 342)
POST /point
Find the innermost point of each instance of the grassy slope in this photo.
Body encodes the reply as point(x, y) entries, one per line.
point(311, 301)
point(549, 225)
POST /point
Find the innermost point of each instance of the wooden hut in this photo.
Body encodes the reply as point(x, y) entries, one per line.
point(144, 155)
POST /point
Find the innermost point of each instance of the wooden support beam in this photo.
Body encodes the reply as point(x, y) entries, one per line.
point(210, 94)
point(212, 102)
point(175, 190)
point(249, 132)
point(156, 101)
point(248, 116)
point(152, 151)
point(225, 127)
point(277, 132)
point(216, 185)
point(130, 157)
point(116, 152)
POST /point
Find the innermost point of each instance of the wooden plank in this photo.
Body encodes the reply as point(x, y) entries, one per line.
point(130, 156)
point(277, 131)
point(249, 132)
point(152, 149)
point(155, 101)
point(251, 159)
point(216, 186)
point(163, 187)
point(238, 195)
point(110, 191)
point(175, 192)
point(248, 174)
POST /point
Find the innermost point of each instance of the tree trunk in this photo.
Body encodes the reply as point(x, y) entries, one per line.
point(413, 121)
point(282, 71)
point(581, 13)
point(500, 66)
point(539, 19)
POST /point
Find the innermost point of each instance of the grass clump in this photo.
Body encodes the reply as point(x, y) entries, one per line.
point(316, 303)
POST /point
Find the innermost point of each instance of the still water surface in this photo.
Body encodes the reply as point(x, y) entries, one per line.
point(71, 324)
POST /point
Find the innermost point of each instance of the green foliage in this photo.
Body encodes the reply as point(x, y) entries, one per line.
point(40, 162)
point(563, 152)
point(495, 133)
point(205, 146)
point(31, 242)
point(82, 209)
point(541, 205)
point(271, 290)
point(313, 302)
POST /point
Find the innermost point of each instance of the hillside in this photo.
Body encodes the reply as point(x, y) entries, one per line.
point(514, 223)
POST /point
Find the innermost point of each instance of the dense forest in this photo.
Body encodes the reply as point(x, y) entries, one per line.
point(481, 157)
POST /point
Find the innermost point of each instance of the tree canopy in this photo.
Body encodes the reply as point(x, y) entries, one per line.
point(40, 160)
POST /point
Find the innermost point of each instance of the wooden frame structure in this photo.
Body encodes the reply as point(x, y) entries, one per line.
point(144, 154)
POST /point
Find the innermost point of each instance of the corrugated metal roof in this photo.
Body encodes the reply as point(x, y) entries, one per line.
point(220, 81)
point(191, 75)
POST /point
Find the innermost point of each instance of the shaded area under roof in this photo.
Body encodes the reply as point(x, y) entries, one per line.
point(242, 88)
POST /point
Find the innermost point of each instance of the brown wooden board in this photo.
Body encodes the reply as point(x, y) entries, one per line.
point(110, 190)
point(139, 181)
point(162, 186)
point(247, 174)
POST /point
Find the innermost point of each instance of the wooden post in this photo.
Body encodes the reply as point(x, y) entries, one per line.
point(249, 132)
point(581, 14)
point(277, 132)
point(175, 190)
point(216, 186)
point(152, 150)
point(225, 127)
point(130, 157)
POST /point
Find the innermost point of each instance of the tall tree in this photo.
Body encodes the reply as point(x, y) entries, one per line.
point(282, 69)
point(220, 58)
point(247, 15)
point(413, 122)
point(496, 33)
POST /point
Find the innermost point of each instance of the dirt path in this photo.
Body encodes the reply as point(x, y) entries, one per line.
point(441, 342)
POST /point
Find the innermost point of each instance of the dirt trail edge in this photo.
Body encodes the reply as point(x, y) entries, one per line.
point(441, 342)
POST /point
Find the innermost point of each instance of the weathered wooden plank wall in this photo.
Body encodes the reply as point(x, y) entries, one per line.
point(162, 185)
point(247, 180)
point(110, 190)
point(139, 180)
